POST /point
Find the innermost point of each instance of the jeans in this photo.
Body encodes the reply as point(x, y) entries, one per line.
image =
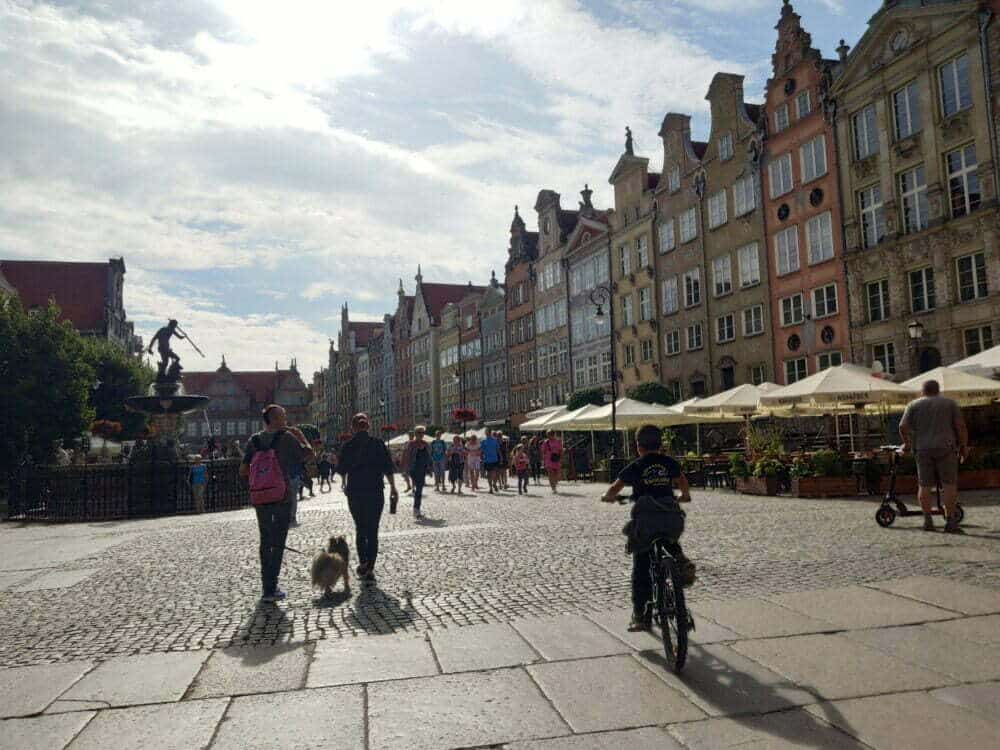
point(642, 584)
point(418, 478)
point(439, 467)
point(272, 520)
point(295, 487)
point(522, 481)
point(366, 510)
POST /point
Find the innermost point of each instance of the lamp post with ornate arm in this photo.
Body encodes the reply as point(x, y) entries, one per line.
point(601, 296)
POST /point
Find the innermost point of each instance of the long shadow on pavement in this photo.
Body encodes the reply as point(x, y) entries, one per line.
point(377, 611)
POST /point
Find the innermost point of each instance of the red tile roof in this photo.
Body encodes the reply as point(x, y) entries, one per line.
point(436, 296)
point(80, 289)
point(363, 331)
point(260, 384)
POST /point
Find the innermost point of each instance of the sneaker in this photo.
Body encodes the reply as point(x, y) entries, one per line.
point(928, 523)
point(639, 623)
point(277, 596)
point(417, 514)
point(952, 527)
point(369, 576)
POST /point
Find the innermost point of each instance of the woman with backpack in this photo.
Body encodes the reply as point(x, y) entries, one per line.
point(552, 450)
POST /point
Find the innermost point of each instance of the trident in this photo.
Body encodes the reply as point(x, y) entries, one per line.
point(185, 335)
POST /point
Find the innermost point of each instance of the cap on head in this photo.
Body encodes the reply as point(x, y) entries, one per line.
point(420, 429)
point(931, 388)
point(359, 422)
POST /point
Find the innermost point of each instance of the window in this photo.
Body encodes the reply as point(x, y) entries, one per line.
point(674, 179)
point(803, 106)
point(697, 387)
point(786, 250)
point(627, 316)
point(956, 93)
point(977, 339)
point(753, 320)
point(972, 277)
point(692, 287)
point(963, 181)
point(579, 371)
point(646, 350)
point(606, 366)
point(877, 293)
point(624, 260)
point(780, 118)
point(726, 147)
point(689, 225)
point(629, 355)
point(694, 336)
point(672, 342)
point(594, 369)
point(922, 290)
point(243, 427)
point(872, 216)
point(758, 374)
point(717, 209)
point(668, 240)
point(722, 275)
point(674, 389)
point(642, 250)
point(791, 310)
point(744, 196)
point(913, 188)
point(826, 360)
point(669, 294)
point(812, 158)
point(865, 133)
point(728, 374)
point(749, 259)
point(795, 370)
point(906, 111)
point(192, 429)
point(645, 304)
point(886, 354)
point(725, 328)
point(825, 301)
point(819, 238)
point(780, 173)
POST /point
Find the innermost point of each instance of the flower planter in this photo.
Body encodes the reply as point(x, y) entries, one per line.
point(824, 486)
point(979, 479)
point(757, 485)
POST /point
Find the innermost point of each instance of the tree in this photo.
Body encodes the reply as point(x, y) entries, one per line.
point(651, 393)
point(118, 376)
point(585, 396)
point(46, 382)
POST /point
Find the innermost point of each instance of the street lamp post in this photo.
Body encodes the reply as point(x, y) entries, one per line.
point(461, 391)
point(915, 330)
point(601, 296)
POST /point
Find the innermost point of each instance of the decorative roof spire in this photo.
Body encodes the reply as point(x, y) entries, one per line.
point(586, 193)
point(493, 279)
point(517, 225)
point(420, 276)
point(223, 367)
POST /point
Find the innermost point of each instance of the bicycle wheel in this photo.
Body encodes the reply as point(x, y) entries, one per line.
point(673, 614)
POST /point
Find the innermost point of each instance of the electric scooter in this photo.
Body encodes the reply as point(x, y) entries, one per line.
point(886, 513)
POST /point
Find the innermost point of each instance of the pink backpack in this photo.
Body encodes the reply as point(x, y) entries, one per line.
point(267, 480)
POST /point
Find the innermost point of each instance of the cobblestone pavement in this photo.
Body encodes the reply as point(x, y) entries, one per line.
point(92, 591)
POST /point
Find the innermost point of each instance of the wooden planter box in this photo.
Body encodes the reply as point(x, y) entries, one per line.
point(757, 485)
point(980, 479)
point(824, 486)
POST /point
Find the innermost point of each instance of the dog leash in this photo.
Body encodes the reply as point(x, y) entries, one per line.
point(296, 551)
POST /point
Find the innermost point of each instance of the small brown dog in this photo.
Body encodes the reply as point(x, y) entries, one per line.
point(330, 565)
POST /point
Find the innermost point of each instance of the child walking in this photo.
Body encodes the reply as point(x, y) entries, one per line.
point(521, 465)
point(456, 464)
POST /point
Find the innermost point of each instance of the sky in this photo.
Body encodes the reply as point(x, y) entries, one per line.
point(258, 164)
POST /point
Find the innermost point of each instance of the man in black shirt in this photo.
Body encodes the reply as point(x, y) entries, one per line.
point(363, 462)
point(652, 477)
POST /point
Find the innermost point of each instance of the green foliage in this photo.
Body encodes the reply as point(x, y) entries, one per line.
point(670, 439)
point(46, 381)
point(991, 459)
point(801, 467)
point(738, 466)
point(585, 396)
point(764, 441)
point(828, 463)
point(119, 376)
point(767, 467)
point(651, 393)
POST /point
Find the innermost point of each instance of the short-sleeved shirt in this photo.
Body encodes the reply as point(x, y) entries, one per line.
point(652, 474)
point(199, 474)
point(491, 450)
point(438, 449)
point(290, 453)
point(931, 421)
point(365, 461)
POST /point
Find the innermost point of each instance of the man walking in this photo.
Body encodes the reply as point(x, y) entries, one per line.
point(291, 448)
point(419, 463)
point(491, 459)
point(934, 428)
point(363, 463)
point(438, 450)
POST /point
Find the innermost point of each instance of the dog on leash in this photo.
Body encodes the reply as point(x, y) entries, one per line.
point(332, 564)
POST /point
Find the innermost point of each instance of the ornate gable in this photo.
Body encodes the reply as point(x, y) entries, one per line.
point(794, 43)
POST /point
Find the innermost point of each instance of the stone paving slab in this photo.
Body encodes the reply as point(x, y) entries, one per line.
point(616, 621)
point(977, 629)
point(647, 738)
point(459, 710)
point(777, 731)
point(942, 592)
point(614, 692)
point(252, 669)
point(343, 662)
point(569, 637)
point(56, 579)
point(23, 553)
point(920, 645)
point(909, 721)
point(961, 554)
point(855, 607)
point(479, 647)
point(9, 580)
point(29, 690)
point(168, 726)
point(723, 682)
point(322, 718)
point(833, 666)
point(982, 699)
point(133, 681)
point(42, 731)
point(758, 618)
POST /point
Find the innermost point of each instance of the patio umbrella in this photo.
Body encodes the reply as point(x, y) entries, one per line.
point(741, 401)
point(629, 414)
point(538, 424)
point(986, 362)
point(567, 420)
point(964, 386)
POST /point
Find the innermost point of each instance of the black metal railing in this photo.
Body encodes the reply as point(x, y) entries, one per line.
point(102, 492)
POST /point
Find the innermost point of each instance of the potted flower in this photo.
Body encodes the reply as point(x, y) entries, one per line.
point(763, 476)
point(464, 415)
point(105, 429)
point(823, 474)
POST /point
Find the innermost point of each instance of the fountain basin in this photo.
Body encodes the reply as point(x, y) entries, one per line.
point(165, 404)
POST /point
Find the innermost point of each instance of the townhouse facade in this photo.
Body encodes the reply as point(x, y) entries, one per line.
point(519, 287)
point(470, 352)
point(448, 359)
point(402, 395)
point(493, 330)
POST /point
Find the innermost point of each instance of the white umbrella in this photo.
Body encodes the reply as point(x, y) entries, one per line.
point(629, 414)
point(835, 386)
point(965, 387)
point(568, 421)
point(741, 401)
point(538, 424)
point(987, 361)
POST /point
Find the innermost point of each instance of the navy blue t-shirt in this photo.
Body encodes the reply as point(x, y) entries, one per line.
point(652, 474)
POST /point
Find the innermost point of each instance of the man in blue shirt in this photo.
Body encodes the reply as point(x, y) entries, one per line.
point(491, 458)
point(438, 449)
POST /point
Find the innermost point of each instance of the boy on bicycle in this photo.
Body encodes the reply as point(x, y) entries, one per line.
point(655, 514)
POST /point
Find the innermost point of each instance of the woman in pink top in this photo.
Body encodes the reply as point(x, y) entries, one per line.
point(552, 450)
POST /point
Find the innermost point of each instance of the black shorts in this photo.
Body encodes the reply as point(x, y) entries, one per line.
point(491, 465)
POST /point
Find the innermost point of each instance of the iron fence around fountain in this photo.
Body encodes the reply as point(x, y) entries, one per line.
point(104, 492)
